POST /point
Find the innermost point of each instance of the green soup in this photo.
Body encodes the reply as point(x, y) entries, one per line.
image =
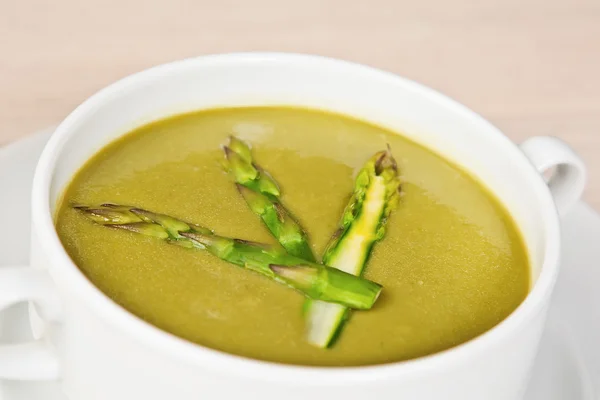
point(452, 263)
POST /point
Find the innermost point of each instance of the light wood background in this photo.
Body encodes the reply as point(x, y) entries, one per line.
point(532, 67)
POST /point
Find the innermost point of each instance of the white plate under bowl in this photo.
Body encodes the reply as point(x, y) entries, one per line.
point(568, 363)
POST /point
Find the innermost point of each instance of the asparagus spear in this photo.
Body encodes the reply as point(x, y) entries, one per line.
point(314, 280)
point(262, 193)
point(362, 225)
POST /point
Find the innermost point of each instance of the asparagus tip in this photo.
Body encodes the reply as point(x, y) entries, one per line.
point(384, 160)
point(102, 215)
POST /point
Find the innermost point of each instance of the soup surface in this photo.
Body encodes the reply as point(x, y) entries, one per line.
point(452, 264)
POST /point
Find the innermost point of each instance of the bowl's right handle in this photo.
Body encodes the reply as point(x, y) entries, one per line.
point(568, 180)
point(33, 360)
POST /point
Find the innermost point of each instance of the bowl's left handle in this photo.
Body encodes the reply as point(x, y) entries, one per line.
point(34, 360)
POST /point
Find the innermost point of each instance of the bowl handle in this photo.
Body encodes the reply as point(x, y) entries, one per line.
point(34, 360)
point(549, 154)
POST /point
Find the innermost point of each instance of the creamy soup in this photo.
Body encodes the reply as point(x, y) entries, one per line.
point(452, 264)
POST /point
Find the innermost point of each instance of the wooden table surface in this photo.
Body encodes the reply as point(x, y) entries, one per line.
point(532, 67)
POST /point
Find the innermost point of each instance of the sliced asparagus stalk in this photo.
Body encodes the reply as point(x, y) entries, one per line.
point(262, 193)
point(314, 280)
point(362, 225)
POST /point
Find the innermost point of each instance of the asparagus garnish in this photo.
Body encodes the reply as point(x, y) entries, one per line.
point(376, 193)
point(316, 281)
point(262, 195)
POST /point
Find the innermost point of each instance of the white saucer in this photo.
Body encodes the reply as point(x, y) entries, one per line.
point(567, 367)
